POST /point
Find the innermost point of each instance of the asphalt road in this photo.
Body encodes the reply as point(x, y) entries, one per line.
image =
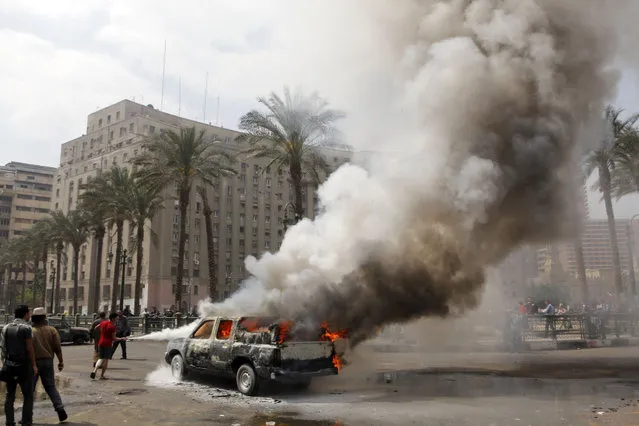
point(587, 387)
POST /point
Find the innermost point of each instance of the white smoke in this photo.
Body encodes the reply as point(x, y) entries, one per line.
point(477, 105)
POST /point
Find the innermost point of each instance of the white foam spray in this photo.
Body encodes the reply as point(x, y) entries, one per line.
point(483, 100)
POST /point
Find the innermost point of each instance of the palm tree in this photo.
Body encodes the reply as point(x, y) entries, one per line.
point(145, 203)
point(38, 243)
point(604, 159)
point(96, 222)
point(289, 133)
point(181, 160)
point(210, 245)
point(108, 195)
point(74, 229)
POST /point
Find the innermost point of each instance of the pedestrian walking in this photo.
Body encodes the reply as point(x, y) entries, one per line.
point(95, 335)
point(123, 329)
point(105, 345)
point(46, 344)
point(19, 364)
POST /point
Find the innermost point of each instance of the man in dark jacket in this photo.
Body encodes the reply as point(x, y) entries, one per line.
point(18, 356)
point(122, 329)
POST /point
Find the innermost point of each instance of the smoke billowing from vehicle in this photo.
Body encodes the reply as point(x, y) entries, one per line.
point(485, 99)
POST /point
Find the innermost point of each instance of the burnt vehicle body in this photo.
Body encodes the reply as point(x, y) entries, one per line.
point(251, 350)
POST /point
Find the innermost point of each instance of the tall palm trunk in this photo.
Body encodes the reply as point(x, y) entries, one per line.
point(210, 246)
point(24, 282)
point(116, 264)
point(58, 274)
point(76, 276)
point(138, 269)
point(581, 270)
point(7, 289)
point(43, 258)
point(184, 205)
point(36, 280)
point(97, 270)
point(296, 180)
point(605, 179)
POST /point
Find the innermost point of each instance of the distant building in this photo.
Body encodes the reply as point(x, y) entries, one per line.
point(248, 210)
point(25, 198)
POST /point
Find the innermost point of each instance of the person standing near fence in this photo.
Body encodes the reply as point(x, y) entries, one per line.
point(95, 335)
point(46, 343)
point(18, 358)
point(123, 329)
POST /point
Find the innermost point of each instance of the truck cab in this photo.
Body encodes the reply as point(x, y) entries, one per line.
point(253, 350)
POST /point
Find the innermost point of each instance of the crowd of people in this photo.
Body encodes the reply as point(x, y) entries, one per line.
point(28, 346)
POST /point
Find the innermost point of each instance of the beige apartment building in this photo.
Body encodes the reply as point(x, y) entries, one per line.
point(25, 198)
point(248, 210)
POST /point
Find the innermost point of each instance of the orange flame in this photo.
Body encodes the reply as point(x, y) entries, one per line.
point(285, 329)
point(332, 335)
point(337, 362)
point(224, 330)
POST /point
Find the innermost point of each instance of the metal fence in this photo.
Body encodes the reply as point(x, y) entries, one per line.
point(139, 325)
point(573, 328)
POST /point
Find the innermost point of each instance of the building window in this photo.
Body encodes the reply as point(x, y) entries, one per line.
point(109, 119)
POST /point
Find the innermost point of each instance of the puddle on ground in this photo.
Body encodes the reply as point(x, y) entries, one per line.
point(278, 420)
point(61, 382)
point(469, 385)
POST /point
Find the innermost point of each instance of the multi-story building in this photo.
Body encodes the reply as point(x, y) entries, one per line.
point(25, 198)
point(248, 209)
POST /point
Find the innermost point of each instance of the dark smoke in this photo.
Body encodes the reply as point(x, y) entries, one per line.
point(492, 94)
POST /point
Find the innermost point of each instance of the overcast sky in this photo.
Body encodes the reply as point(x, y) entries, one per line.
point(63, 59)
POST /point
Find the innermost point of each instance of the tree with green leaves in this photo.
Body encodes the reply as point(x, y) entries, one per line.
point(290, 132)
point(182, 161)
point(108, 194)
point(604, 159)
point(144, 202)
point(96, 221)
point(74, 229)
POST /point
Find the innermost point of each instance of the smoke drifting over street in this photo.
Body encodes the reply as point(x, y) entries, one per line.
point(491, 95)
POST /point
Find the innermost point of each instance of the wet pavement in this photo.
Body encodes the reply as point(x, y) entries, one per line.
point(590, 387)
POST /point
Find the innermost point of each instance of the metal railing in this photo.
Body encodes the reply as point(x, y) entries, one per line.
point(577, 328)
point(139, 325)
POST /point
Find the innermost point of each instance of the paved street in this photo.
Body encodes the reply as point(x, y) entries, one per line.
point(587, 387)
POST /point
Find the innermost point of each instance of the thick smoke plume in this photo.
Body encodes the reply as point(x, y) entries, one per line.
point(491, 95)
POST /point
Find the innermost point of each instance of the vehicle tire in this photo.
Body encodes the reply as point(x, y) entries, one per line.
point(246, 380)
point(178, 369)
point(78, 340)
point(303, 385)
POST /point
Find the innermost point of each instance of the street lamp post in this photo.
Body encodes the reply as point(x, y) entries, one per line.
point(124, 260)
point(52, 279)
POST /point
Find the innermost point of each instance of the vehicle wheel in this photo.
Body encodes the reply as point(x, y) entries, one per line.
point(178, 369)
point(78, 340)
point(246, 379)
point(303, 385)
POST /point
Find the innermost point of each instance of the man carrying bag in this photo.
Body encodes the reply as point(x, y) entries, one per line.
point(19, 365)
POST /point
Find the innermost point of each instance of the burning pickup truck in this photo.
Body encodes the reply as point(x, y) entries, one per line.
point(256, 349)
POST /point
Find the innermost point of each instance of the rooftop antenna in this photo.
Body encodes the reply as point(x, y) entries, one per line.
point(163, 71)
point(206, 89)
point(180, 96)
